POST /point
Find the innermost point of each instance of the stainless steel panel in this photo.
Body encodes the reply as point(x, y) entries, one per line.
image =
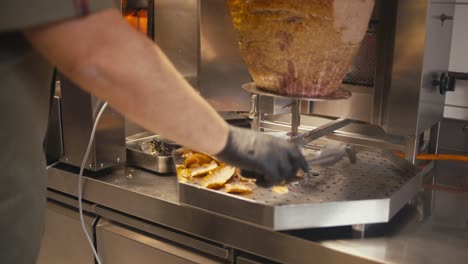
point(79, 110)
point(458, 55)
point(70, 201)
point(222, 71)
point(177, 237)
point(385, 45)
point(402, 99)
point(139, 248)
point(444, 205)
point(421, 51)
point(176, 25)
point(274, 105)
point(451, 174)
point(450, 194)
point(436, 60)
point(244, 260)
point(358, 107)
point(63, 240)
point(371, 191)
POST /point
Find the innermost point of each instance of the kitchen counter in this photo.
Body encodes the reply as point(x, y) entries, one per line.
point(433, 229)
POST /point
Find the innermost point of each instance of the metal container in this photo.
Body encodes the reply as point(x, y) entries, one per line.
point(159, 163)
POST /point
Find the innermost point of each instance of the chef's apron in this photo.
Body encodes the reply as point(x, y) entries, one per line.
point(25, 81)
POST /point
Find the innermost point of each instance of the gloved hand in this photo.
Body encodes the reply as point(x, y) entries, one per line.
point(274, 158)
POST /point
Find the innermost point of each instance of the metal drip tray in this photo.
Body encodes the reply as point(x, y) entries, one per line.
point(370, 191)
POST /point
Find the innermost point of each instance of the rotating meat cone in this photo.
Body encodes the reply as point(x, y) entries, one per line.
point(299, 47)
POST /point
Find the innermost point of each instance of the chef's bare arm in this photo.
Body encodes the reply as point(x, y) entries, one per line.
point(108, 58)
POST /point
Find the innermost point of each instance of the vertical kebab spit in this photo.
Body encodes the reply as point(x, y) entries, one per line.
point(299, 48)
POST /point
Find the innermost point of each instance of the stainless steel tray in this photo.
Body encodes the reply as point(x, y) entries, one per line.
point(371, 191)
point(155, 163)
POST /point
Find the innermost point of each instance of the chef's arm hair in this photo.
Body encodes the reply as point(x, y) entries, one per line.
point(108, 58)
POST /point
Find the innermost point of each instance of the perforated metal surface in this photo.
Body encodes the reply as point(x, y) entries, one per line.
point(370, 191)
point(362, 70)
point(373, 177)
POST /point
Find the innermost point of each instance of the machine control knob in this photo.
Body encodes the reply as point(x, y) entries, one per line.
point(446, 81)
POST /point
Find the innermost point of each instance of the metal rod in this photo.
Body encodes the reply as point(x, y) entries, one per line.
point(254, 113)
point(321, 131)
point(412, 146)
point(296, 118)
point(437, 138)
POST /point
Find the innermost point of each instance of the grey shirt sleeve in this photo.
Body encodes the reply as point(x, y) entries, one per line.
point(21, 14)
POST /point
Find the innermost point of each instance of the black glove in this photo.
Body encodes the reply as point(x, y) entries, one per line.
point(274, 158)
